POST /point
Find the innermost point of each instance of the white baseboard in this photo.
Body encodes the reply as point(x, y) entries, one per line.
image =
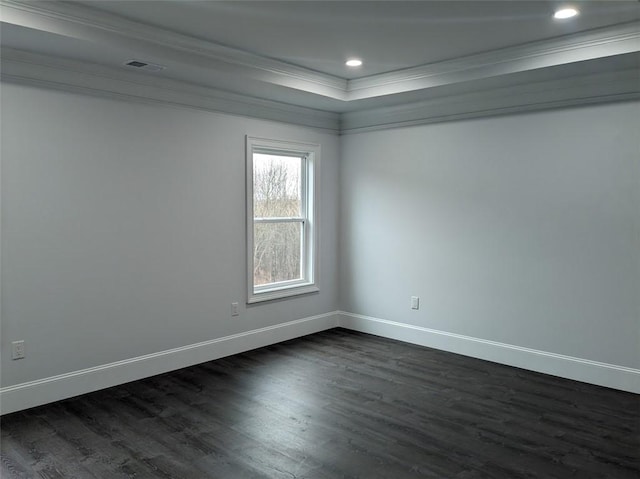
point(43, 391)
point(593, 372)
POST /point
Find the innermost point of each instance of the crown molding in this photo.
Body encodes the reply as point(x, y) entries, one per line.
point(80, 22)
point(599, 43)
point(572, 91)
point(68, 75)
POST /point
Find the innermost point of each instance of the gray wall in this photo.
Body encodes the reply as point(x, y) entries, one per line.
point(521, 229)
point(123, 229)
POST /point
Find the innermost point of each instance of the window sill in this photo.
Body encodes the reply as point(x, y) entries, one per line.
point(284, 292)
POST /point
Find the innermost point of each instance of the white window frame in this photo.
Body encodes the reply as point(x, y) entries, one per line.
point(310, 153)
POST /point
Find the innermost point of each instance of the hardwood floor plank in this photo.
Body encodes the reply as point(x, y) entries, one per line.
point(336, 404)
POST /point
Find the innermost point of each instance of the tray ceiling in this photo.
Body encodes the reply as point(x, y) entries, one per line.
point(293, 52)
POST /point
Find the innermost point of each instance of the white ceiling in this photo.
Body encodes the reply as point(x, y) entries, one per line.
point(387, 35)
point(294, 52)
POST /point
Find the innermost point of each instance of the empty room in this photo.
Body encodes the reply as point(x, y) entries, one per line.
point(320, 239)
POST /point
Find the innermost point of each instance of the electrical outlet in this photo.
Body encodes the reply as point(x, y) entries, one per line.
point(415, 302)
point(17, 350)
point(234, 309)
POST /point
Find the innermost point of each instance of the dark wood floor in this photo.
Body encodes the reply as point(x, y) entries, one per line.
point(337, 404)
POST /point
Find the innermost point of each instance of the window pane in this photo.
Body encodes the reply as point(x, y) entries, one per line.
point(276, 254)
point(277, 186)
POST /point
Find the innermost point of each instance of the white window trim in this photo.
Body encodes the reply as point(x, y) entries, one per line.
point(309, 283)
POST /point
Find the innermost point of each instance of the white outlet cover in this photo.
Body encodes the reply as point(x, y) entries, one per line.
point(17, 350)
point(415, 302)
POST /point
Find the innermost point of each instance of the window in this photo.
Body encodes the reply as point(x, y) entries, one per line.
point(281, 218)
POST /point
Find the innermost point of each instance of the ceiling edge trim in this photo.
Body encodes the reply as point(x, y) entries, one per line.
point(62, 74)
point(567, 92)
point(428, 120)
point(615, 40)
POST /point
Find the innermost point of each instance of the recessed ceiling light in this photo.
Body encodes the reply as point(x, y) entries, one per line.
point(354, 62)
point(565, 13)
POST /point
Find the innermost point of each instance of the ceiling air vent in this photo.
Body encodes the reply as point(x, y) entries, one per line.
point(150, 67)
